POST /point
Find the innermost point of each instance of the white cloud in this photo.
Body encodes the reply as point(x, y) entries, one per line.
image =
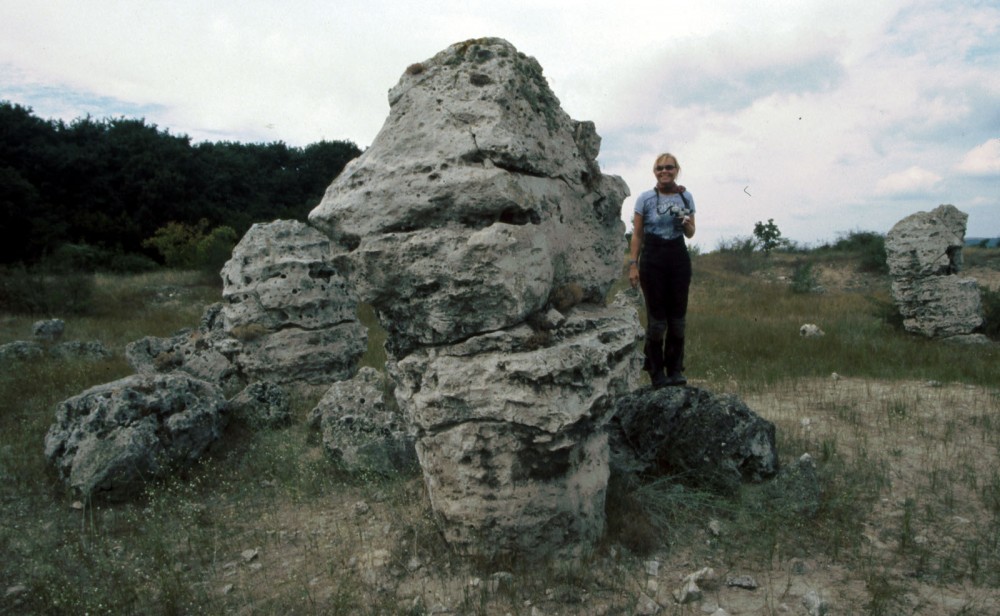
point(913, 181)
point(811, 106)
point(983, 160)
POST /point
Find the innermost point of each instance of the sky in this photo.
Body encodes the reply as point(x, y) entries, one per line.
point(826, 116)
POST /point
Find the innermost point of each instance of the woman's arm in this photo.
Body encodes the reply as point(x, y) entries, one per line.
point(633, 250)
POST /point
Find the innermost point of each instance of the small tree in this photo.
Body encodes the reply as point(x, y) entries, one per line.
point(189, 247)
point(768, 236)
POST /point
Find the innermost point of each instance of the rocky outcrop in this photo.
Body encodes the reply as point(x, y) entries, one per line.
point(291, 311)
point(705, 440)
point(480, 228)
point(112, 439)
point(477, 200)
point(924, 255)
point(510, 435)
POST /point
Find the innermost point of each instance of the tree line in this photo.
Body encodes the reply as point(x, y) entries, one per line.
point(120, 186)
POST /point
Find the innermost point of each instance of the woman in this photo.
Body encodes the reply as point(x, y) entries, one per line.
point(659, 260)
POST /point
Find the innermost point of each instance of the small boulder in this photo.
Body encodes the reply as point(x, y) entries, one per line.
point(112, 439)
point(92, 350)
point(20, 350)
point(202, 353)
point(48, 330)
point(359, 429)
point(811, 330)
point(262, 405)
point(707, 440)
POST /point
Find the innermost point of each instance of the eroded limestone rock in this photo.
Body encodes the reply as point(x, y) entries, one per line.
point(112, 439)
point(706, 440)
point(924, 255)
point(477, 200)
point(291, 310)
point(360, 430)
point(480, 228)
point(510, 436)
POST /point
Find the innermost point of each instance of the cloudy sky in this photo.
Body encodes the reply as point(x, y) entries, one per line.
point(827, 116)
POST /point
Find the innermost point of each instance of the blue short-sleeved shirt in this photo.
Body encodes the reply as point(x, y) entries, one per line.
point(660, 213)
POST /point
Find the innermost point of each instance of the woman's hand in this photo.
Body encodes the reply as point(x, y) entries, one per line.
point(688, 226)
point(633, 274)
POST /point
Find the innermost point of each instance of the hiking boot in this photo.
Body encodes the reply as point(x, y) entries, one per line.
point(675, 379)
point(659, 380)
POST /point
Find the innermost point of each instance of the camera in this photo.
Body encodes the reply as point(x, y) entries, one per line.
point(678, 213)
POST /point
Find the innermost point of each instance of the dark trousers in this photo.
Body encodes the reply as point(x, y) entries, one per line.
point(665, 276)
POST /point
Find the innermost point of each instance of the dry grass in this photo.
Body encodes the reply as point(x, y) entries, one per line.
point(907, 442)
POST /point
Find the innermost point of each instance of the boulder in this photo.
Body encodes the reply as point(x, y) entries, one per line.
point(112, 439)
point(924, 255)
point(705, 440)
point(510, 430)
point(48, 330)
point(289, 307)
point(203, 353)
point(361, 431)
point(262, 405)
point(21, 350)
point(91, 350)
point(477, 200)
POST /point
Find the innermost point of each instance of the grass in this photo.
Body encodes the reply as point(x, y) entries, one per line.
point(906, 442)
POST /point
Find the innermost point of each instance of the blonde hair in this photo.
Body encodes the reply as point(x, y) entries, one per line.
point(665, 156)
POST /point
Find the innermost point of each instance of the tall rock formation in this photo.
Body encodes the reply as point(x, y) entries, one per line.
point(924, 255)
point(480, 228)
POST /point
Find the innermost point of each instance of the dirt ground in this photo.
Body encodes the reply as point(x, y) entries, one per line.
point(937, 442)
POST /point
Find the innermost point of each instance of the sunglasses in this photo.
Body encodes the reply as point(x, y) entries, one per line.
point(665, 167)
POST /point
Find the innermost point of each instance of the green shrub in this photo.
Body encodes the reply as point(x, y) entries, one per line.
point(804, 278)
point(869, 248)
point(186, 246)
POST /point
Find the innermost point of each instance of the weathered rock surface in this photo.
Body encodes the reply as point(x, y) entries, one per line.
point(21, 350)
point(924, 255)
point(203, 353)
point(112, 439)
point(706, 440)
point(480, 228)
point(262, 405)
point(360, 430)
point(48, 330)
point(475, 202)
point(511, 435)
point(292, 311)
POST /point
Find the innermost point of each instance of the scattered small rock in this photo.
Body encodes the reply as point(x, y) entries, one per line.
point(741, 581)
point(48, 330)
point(811, 330)
point(814, 604)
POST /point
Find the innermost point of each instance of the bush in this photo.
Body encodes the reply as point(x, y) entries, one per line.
point(188, 247)
point(804, 278)
point(870, 248)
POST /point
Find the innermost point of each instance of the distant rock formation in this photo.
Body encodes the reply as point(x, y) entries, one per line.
point(480, 228)
point(924, 255)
